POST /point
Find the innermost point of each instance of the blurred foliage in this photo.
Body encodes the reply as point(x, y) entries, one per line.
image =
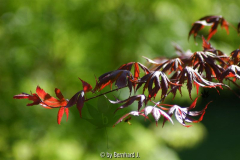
point(51, 43)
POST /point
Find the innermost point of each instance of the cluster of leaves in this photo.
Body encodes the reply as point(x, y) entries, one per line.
point(207, 68)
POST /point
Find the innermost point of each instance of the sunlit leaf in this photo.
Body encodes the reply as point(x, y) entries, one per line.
point(134, 113)
point(184, 114)
point(156, 113)
point(140, 98)
point(60, 114)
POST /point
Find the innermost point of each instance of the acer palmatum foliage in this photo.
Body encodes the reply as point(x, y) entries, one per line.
point(165, 75)
point(212, 21)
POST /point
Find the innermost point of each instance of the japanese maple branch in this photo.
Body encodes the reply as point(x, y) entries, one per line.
point(231, 88)
point(233, 82)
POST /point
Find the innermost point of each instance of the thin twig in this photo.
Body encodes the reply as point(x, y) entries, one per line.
point(233, 82)
point(105, 93)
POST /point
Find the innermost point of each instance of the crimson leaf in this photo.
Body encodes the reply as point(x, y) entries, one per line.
point(44, 99)
point(60, 114)
point(49, 100)
point(86, 86)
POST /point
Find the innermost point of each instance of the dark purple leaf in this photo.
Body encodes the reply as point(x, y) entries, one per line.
point(73, 100)
point(78, 99)
point(194, 78)
point(212, 21)
point(80, 102)
point(153, 84)
point(172, 65)
point(120, 77)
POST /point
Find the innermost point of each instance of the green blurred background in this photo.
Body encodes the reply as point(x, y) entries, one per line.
point(53, 42)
